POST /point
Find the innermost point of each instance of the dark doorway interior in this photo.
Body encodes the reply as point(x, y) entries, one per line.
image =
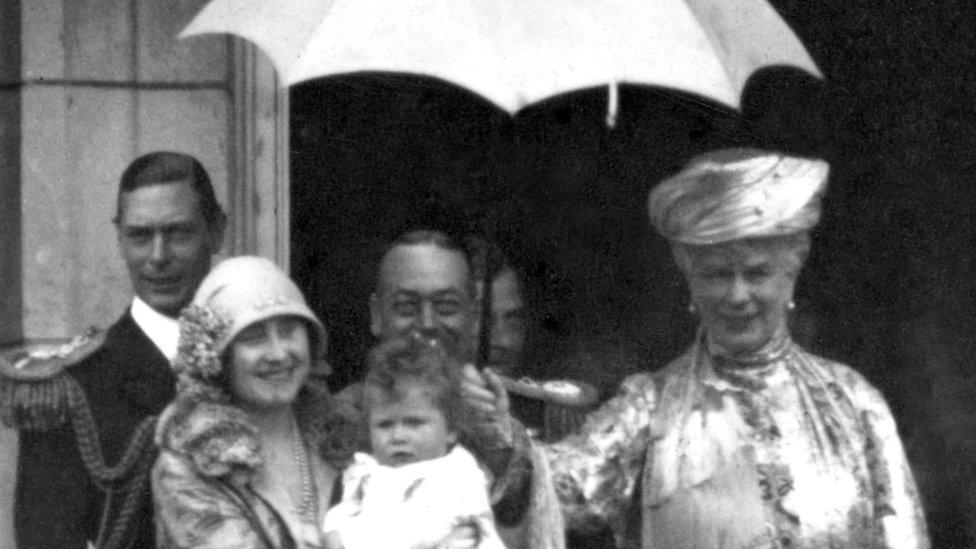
point(374, 156)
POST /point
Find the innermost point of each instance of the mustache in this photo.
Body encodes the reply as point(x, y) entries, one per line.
point(441, 332)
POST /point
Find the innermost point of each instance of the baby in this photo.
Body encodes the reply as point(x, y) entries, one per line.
point(419, 487)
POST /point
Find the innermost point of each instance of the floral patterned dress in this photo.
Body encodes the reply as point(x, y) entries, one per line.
point(784, 450)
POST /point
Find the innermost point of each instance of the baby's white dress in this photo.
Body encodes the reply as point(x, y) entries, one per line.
point(413, 506)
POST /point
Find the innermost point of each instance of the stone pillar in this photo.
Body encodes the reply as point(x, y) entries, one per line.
point(90, 85)
point(11, 294)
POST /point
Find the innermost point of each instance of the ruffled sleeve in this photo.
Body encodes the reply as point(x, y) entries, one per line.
point(896, 501)
point(596, 470)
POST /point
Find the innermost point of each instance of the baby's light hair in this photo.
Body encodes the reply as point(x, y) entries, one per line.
point(432, 361)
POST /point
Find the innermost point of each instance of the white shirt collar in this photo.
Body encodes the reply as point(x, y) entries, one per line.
point(161, 329)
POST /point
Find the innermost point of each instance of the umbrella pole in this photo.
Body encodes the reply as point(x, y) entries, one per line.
point(484, 329)
point(613, 103)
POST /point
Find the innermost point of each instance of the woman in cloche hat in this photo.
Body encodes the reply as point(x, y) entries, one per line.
point(253, 445)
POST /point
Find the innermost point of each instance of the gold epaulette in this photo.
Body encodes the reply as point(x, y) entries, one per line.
point(34, 385)
point(565, 392)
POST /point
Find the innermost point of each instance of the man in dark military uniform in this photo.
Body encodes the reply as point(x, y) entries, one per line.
point(85, 451)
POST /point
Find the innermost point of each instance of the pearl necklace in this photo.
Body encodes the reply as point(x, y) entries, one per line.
point(308, 507)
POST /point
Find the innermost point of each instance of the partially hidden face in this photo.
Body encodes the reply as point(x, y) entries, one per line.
point(166, 243)
point(742, 291)
point(269, 362)
point(407, 429)
point(507, 323)
point(426, 288)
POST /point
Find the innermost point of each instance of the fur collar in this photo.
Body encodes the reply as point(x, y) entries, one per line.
point(221, 441)
point(218, 438)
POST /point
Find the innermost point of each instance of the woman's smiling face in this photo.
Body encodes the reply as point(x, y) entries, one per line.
point(270, 361)
point(742, 290)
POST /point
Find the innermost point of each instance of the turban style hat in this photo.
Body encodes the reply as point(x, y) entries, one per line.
point(734, 194)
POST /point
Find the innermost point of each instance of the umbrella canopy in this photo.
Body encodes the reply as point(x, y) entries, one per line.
point(517, 52)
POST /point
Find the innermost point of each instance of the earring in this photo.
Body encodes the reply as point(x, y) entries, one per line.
point(791, 305)
point(692, 310)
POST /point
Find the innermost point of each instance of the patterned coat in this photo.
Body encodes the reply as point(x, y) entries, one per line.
point(208, 513)
point(204, 482)
point(796, 451)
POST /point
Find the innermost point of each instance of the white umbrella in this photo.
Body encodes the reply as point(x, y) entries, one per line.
point(517, 52)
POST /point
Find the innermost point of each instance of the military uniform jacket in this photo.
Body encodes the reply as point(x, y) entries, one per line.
point(59, 505)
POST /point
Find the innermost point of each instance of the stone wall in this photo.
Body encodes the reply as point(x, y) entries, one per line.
point(97, 83)
point(10, 235)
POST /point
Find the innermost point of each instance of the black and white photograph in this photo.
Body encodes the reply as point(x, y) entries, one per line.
point(487, 274)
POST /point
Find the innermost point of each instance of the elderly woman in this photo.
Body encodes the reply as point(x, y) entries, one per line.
point(251, 448)
point(745, 440)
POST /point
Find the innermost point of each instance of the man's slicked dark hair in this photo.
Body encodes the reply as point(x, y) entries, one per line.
point(427, 236)
point(161, 167)
point(438, 239)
